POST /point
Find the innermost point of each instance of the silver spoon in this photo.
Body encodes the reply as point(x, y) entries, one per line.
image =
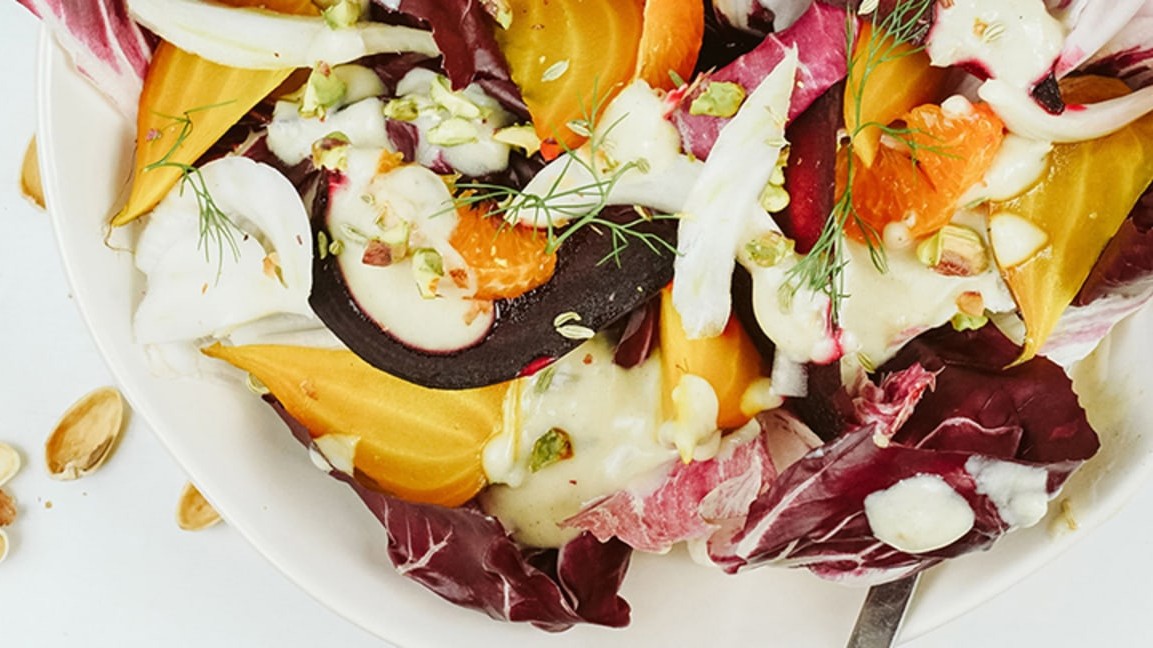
point(881, 615)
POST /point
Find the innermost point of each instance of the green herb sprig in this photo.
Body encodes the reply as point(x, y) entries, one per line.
point(216, 230)
point(822, 269)
point(553, 203)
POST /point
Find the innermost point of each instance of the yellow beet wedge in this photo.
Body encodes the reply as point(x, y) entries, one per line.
point(423, 445)
point(729, 362)
point(187, 104)
point(1047, 240)
point(886, 80)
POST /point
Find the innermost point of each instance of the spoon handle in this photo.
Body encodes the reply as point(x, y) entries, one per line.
point(880, 617)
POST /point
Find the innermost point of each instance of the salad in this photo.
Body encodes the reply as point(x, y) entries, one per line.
point(547, 285)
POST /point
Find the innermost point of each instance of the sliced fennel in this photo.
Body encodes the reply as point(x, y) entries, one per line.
point(723, 204)
point(191, 297)
point(257, 39)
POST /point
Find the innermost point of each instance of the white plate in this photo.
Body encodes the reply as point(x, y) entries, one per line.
point(317, 532)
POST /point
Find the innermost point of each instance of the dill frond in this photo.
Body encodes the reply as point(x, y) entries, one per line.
point(568, 210)
point(216, 229)
point(822, 269)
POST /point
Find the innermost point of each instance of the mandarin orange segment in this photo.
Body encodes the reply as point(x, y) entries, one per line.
point(670, 41)
point(508, 260)
point(919, 180)
point(886, 80)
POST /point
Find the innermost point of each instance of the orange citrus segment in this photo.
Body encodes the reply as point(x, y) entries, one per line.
point(886, 80)
point(508, 260)
point(670, 41)
point(919, 180)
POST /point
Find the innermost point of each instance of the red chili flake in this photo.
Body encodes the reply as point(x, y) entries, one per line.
point(588, 359)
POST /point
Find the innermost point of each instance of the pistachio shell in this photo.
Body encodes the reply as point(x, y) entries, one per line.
point(85, 435)
point(194, 513)
point(9, 463)
point(3, 545)
point(7, 509)
point(30, 184)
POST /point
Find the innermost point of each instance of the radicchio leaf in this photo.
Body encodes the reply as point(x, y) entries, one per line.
point(1129, 54)
point(468, 558)
point(1090, 25)
point(978, 414)
point(463, 31)
point(690, 502)
point(103, 42)
point(819, 38)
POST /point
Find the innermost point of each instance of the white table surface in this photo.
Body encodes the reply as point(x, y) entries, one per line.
point(101, 562)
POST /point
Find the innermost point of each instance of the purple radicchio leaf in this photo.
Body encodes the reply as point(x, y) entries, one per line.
point(1129, 54)
point(468, 558)
point(638, 335)
point(691, 502)
point(818, 36)
point(1025, 419)
point(463, 31)
point(1090, 25)
point(102, 40)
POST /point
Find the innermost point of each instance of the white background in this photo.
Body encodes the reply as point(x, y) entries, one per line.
point(101, 562)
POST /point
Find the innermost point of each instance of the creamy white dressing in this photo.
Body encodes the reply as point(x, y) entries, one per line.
point(797, 321)
point(632, 130)
point(477, 156)
point(290, 136)
point(693, 428)
point(1016, 41)
point(611, 415)
point(1018, 165)
point(1019, 492)
point(883, 311)
point(880, 312)
point(367, 204)
point(919, 514)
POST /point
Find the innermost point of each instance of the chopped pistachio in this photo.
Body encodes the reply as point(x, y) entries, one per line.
point(331, 152)
point(521, 136)
point(455, 103)
point(774, 198)
point(323, 91)
point(342, 13)
point(954, 250)
point(719, 99)
point(551, 447)
point(402, 109)
point(453, 131)
point(964, 322)
point(322, 244)
point(427, 269)
point(388, 248)
point(769, 249)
